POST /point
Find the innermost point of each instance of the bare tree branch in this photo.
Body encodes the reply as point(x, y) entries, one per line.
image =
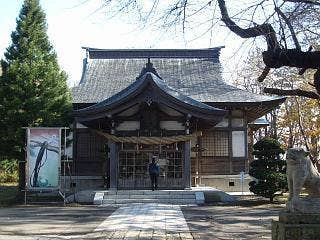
point(275, 56)
point(265, 30)
point(293, 35)
point(302, 131)
point(296, 19)
point(264, 74)
point(184, 15)
point(292, 92)
point(316, 80)
point(305, 1)
point(303, 70)
point(291, 58)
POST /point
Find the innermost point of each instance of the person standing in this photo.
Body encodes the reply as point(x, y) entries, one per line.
point(154, 171)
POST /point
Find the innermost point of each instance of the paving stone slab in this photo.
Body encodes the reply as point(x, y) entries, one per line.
point(151, 220)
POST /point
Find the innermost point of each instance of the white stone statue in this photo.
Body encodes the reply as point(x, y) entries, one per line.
point(302, 174)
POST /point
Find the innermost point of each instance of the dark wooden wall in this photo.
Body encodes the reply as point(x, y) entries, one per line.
point(91, 156)
point(218, 165)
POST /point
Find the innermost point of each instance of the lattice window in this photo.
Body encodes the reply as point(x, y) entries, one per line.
point(83, 145)
point(216, 144)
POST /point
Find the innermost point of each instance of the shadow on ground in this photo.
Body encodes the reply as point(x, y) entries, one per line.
point(8, 194)
point(241, 220)
point(47, 221)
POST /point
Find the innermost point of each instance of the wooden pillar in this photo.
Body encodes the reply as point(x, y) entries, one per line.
point(187, 165)
point(187, 156)
point(230, 141)
point(74, 151)
point(113, 164)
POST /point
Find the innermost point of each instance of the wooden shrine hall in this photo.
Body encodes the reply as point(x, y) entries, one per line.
point(170, 103)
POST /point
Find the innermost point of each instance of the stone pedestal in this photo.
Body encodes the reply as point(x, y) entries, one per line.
point(296, 226)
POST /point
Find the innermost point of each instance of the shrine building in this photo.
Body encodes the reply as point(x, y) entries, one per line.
point(132, 104)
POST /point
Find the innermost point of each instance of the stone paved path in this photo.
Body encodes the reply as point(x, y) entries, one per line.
point(146, 221)
point(91, 222)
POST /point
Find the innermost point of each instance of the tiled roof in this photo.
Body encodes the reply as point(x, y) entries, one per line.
point(195, 73)
point(156, 90)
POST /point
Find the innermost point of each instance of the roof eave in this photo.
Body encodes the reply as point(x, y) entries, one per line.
point(107, 107)
point(254, 110)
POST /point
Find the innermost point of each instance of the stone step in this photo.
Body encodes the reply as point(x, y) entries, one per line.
point(138, 200)
point(147, 192)
point(149, 196)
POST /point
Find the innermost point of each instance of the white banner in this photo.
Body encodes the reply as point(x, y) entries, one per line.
point(43, 158)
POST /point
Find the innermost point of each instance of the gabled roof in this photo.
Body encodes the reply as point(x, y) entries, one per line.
point(149, 86)
point(196, 73)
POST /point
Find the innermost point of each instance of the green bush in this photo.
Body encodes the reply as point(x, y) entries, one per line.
point(8, 171)
point(269, 170)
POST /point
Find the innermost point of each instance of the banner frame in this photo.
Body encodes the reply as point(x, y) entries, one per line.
point(29, 188)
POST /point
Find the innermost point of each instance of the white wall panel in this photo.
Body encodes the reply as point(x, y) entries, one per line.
point(238, 144)
point(128, 126)
point(171, 125)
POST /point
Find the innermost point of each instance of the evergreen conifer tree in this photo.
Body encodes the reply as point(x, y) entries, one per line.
point(268, 170)
point(33, 89)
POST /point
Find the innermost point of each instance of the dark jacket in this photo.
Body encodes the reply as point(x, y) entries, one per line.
point(154, 169)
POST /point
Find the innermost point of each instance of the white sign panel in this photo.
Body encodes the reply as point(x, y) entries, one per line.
point(43, 158)
point(238, 144)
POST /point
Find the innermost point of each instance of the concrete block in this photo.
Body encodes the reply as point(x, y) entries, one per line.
point(200, 198)
point(296, 226)
point(85, 196)
point(98, 198)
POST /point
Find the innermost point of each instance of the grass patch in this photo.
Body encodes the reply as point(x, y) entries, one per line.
point(8, 194)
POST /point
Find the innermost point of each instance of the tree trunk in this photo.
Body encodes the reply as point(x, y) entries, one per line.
point(291, 58)
point(271, 199)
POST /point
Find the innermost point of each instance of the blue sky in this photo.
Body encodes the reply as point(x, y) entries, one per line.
point(72, 25)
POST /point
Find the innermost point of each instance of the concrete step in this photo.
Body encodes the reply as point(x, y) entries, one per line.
point(148, 196)
point(200, 195)
point(147, 192)
point(146, 200)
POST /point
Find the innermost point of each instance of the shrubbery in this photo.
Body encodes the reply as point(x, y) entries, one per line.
point(8, 171)
point(269, 170)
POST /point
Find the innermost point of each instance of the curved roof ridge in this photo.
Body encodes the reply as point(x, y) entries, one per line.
point(160, 83)
point(178, 95)
point(123, 93)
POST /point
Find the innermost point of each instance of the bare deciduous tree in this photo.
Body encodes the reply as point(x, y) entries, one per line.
point(289, 27)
